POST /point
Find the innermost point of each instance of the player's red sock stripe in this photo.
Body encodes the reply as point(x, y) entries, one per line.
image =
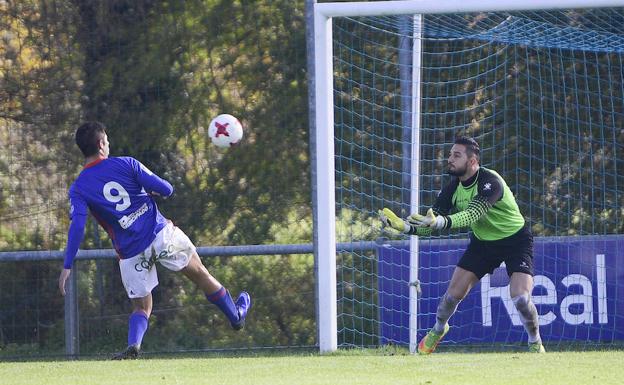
point(216, 295)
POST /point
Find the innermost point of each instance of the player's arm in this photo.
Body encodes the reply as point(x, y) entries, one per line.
point(477, 208)
point(407, 226)
point(441, 206)
point(152, 183)
point(75, 234)
point(489, 192)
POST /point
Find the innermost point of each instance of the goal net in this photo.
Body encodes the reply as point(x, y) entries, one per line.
point(542, 91)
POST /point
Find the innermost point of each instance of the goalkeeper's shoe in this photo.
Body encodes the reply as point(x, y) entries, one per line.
point(536, 347)
point(131, 353)
point(243, 304)
point(430, 342)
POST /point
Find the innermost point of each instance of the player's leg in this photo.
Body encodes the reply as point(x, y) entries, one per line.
point(461, 283)
point(473, 265)
point(179, 254)
point(217, 294)
point(520, 288)
point(139, 319)
point(519, 263)
point(139, 278)
point(137, 326)
point(197, 272)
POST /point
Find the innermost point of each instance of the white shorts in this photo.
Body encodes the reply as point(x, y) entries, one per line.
point(171, 248)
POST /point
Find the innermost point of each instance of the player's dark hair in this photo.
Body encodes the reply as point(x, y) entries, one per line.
point(88, 137)
point(472, 147)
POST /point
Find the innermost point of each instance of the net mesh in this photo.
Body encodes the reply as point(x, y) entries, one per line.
point(542, 92)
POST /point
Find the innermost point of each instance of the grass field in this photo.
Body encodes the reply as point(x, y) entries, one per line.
point(341, 368)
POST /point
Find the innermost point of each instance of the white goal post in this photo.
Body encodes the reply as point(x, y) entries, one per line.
point(324, 166)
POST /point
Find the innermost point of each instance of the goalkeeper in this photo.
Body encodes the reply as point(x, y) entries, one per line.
point(479, 198)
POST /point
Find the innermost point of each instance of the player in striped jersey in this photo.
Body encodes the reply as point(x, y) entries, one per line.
point(119, 192)
point(478, 198)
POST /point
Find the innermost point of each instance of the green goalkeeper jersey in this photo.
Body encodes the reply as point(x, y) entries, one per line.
point(484, 202)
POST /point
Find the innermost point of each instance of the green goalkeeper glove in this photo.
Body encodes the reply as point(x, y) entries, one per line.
point(388, 218)
point(429, 220)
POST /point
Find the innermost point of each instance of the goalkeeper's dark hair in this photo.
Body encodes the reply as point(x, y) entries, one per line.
point(472, 147)
point(88, 137)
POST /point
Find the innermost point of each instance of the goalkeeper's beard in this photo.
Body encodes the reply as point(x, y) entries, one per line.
point(457, 171)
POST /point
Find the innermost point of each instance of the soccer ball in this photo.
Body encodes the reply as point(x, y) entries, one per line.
point(225, 130)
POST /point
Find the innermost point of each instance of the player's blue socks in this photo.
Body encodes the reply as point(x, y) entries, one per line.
point(137, 326)
point(224, 301)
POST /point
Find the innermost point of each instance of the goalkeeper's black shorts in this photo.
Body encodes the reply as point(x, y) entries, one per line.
point(482, 257)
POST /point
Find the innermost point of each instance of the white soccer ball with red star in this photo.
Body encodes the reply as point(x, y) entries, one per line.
point(225, 130)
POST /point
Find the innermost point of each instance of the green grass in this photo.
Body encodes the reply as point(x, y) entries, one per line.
point(341, 368)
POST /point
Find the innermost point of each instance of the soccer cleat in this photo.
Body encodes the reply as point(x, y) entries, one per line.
point(536, 347)
point(430, 342)
point(131, 353)
point(243, 304)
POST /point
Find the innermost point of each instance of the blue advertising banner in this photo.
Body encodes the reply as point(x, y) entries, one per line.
point(579, 292)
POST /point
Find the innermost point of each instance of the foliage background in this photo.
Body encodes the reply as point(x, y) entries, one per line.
point(155, 73)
